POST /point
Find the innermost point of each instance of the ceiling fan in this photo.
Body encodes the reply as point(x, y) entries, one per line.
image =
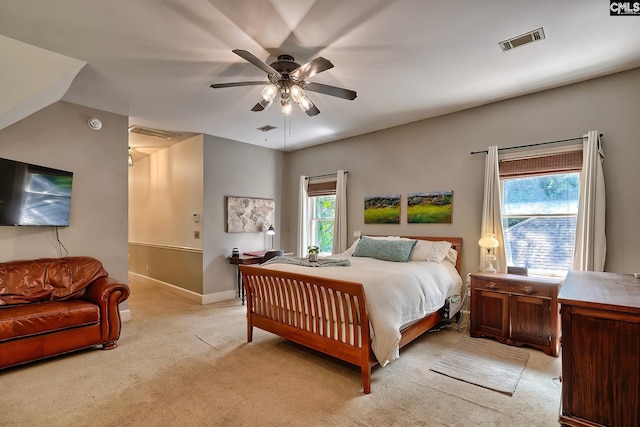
point(287, 82)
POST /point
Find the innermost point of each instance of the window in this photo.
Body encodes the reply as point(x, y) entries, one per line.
point(540, 207)
point(321, 214)
point(321, 219)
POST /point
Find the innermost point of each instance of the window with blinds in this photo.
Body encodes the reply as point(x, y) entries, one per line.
point(321, 210)
point(540, 196)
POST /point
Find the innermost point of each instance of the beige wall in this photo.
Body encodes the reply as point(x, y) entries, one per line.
point(235, 169)
point(165, 191)
point(434, 154)
point(58, 136)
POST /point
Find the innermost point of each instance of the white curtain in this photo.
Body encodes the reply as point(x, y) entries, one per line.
point(491, 208)
point(591, 243)
point(303, 198)
point(340, 224)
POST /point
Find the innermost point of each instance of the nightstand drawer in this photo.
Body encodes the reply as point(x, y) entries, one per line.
point(521, 288)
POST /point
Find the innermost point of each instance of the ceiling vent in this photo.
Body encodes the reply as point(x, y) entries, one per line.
point(530, 37)
point(266, 128)
point(155, 133)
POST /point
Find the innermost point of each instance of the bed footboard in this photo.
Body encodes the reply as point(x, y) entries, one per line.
point(329, 316)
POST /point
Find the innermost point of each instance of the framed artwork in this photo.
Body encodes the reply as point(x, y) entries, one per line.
point(382, 209)
point(249, 215)
point(435, 207)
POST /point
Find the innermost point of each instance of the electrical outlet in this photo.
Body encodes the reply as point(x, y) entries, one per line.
point(196, 234)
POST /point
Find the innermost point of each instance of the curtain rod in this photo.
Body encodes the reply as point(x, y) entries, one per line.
point(534, 145)
point(325, 175)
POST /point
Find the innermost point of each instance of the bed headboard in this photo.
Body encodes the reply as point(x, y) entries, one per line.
point(456, 243)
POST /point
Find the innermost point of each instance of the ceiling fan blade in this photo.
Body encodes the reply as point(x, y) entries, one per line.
point(313, 110)
point(261, 105)
point(331, 90)
point(257, 62)
point(311, 68)
point(234, 84)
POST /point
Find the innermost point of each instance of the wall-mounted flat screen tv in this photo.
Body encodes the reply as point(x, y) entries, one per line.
point(34, 195)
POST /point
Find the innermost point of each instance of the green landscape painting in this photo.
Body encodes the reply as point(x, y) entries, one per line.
point(382, 209)
point(433, 207)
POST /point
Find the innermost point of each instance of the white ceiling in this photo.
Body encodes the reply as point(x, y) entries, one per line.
point(153, 60)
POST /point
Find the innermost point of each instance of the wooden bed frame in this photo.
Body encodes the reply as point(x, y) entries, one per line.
point(280, 303)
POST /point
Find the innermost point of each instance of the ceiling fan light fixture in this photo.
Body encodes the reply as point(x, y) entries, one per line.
point(296, 93)
point(286, 108)
point(305, 103)
point(270, 92)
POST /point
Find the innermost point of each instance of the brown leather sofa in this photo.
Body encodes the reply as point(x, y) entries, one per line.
point(51, 306)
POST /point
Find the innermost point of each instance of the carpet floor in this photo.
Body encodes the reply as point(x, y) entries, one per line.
point(182, 364)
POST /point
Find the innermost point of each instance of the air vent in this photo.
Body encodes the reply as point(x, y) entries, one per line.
point(531, 36)
point(155, 133)
point(266, 128)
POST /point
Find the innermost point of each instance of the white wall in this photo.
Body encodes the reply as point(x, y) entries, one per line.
point(58, 136)
point(434, 154)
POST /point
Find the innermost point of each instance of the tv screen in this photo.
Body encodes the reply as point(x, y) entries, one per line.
point(34, 195)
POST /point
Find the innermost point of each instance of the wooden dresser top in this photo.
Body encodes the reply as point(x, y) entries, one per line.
point(606, 291)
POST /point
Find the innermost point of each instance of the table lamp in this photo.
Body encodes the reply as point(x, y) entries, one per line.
point(489, 243)
point(271, 232)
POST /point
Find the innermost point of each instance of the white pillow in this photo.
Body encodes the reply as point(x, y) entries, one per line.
point(452, 256)
point(426, 250)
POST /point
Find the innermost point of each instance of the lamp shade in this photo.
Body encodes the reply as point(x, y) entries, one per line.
point(489, 241)
point(271, 231)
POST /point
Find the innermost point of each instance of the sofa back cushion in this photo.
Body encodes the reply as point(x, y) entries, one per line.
point(47, 279)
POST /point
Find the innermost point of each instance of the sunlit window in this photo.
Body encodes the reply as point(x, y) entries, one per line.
point(539, 220)
point(322, 211)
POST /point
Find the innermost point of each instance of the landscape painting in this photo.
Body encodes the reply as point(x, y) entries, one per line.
point(382, 209)
point(433, 207)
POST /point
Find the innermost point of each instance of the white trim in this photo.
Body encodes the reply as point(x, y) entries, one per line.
point(125, 315)
point(178, 248)
point(185, 293)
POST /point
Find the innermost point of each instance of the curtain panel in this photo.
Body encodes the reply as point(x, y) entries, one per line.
point(492, 208)
point(591, 243)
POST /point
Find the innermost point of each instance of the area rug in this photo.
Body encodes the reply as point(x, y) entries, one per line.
point(485, 363)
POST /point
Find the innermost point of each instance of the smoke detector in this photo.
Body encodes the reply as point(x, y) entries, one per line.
point(94, 123)
point(526, 38)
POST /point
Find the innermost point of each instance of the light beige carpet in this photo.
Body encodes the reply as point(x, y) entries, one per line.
point(484, 362)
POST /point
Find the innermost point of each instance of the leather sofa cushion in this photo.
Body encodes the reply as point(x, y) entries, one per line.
point(47, 279)
point(21, 321)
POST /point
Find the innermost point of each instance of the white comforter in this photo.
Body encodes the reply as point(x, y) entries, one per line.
point(398, 293)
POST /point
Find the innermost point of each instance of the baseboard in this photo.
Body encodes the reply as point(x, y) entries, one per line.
point(185, 293)
point(125, 315)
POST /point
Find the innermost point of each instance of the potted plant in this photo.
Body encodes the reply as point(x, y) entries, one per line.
point(313, 253)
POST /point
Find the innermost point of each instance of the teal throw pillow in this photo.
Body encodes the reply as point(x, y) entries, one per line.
point(386, 250)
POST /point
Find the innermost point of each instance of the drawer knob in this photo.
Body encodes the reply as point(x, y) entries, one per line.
point(529, 290)
point(492, 285)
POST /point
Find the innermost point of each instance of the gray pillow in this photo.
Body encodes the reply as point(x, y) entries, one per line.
point(386, 250)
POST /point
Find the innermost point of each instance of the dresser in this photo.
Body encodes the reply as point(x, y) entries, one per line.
point(600, 315)
point(516, 310)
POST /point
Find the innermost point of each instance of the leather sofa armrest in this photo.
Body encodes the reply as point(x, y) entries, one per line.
point(107, 293)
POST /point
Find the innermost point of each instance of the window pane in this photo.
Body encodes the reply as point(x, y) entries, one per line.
point(547, 194)
point(322, 213)
point(325, 206)
point(323, 233)
point(540, 221)
point(544, 243)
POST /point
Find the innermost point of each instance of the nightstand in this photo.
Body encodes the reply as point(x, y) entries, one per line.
point(516, 310)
